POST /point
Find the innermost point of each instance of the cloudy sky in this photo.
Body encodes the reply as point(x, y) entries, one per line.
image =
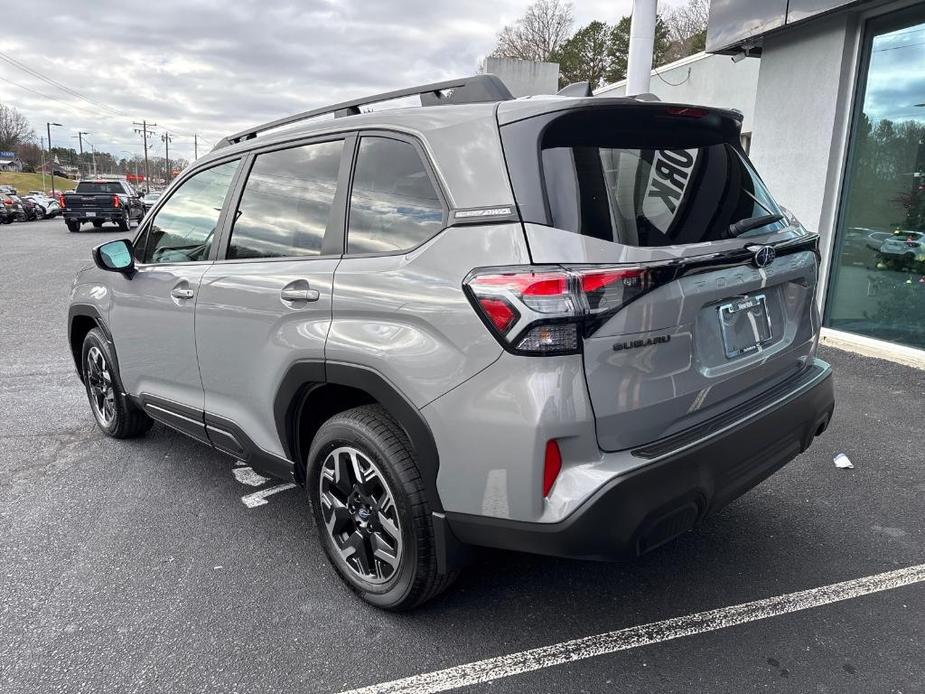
point(214, 66)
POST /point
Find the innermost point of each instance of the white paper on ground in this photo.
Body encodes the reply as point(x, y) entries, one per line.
point(842, 461)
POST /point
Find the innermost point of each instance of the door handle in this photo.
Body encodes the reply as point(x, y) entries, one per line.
point(301, 292)
point(181, 293)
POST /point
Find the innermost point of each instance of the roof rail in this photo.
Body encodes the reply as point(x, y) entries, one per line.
point(465, 90)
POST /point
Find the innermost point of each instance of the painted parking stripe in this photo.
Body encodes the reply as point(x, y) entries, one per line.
point(260, 498)
point(646, 634)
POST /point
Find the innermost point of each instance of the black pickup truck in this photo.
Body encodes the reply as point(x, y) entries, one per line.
point(100, 201)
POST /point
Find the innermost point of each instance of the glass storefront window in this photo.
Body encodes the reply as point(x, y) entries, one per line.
point(877, 285)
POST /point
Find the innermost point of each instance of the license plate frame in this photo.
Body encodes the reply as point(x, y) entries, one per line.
point(745, 325)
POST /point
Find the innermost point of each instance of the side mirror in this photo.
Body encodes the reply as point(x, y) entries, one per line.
point(115, 256)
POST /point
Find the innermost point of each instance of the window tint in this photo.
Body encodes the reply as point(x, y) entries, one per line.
point(393, 204)
point(654, 197)
point(93, 187)
point(184, 228)
point(286, 203)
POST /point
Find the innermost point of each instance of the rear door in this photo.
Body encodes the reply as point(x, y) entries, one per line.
point(266, 303)
point(710, 318)
point(152, 313)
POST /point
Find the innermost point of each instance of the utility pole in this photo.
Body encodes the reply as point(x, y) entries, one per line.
point(144, 133)
point(42, 140)
point(80, 142)
point(48, 125)
point(195, 146)
point(165, 138)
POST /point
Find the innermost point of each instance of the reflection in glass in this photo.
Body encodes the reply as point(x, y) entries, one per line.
point(286, 203)
point(184, 227)
point(393, 205)
point(655, 197)
point(878, 273)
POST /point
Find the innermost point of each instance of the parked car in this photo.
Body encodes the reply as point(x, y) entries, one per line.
point(12, 204)
point(9, 209)
point(905, 246)
point(47, 206)
point(569, 326)
point(151, 198)
point(27, 209)
point(100, 201)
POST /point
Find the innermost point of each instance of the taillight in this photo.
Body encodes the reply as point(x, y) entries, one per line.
point(61, 200)
point(539, 310)
point(116, 201)
point(552, 465)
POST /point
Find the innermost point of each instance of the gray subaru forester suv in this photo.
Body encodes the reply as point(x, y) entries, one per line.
point(573, 326)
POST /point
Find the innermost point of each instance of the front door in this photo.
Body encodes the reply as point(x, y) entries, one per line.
point(153, 312)
point(266, 303)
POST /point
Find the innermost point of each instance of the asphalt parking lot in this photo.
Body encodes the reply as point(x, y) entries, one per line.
point(135, 566)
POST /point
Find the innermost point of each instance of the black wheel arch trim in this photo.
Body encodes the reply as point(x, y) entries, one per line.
point(304, 376)
point(90, 311)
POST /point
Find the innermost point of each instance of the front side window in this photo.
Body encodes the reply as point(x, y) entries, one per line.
point(286, 203)
point(393, 204)
point(183, 229)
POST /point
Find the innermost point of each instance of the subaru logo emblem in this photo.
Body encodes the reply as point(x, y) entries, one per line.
point(764, 256)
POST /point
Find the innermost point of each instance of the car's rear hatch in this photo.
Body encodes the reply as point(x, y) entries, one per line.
point(707, 320)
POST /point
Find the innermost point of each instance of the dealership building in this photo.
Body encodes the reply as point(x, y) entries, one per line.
point(833, 98)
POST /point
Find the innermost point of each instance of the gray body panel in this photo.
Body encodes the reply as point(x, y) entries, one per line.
point(248, 336)
point(406, 317)
point(155, 332)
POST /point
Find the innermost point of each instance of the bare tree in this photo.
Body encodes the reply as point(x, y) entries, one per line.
point(14, 128)
point(537, 35)
point(687, 28)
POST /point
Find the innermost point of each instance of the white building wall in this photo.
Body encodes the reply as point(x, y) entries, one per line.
point(704, 79)
point(524, 77)
point(800, 114)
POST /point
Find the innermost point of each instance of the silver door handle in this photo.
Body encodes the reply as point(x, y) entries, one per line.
point(180, 293)
point(300, 294)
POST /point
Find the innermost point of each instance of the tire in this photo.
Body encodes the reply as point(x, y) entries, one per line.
point(125, 223)
point(390, 501)
point(115, 415)
point(72, 225)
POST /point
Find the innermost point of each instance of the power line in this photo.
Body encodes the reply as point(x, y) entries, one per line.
point(55, 83)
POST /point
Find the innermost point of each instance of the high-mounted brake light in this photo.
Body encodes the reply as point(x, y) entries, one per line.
point(543, 310)
point(686, 111)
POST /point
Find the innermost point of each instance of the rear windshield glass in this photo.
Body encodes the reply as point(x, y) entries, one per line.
point(654, 197)
point(101, 187)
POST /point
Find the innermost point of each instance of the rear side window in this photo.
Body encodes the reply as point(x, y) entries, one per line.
point(393, 203)
point(91, 188)
point(286, 203)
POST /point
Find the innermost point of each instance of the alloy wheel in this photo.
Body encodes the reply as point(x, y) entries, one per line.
point(360, 515)
point(100, 386)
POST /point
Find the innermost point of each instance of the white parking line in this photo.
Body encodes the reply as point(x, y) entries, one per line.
point(646, 634)
point(260, 498)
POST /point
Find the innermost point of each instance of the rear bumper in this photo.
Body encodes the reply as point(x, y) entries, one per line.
point(669, 495)
point(99, 214)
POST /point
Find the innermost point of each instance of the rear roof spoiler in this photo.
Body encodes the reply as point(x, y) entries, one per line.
point(465, 90)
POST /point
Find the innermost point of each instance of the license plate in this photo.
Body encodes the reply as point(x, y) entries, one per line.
point(745, 325)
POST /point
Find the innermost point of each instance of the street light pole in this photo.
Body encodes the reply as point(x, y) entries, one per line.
point(48, 127)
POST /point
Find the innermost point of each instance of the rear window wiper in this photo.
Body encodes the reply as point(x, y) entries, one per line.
point(750, 223)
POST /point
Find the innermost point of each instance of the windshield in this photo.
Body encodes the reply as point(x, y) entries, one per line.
point(655, 197)
point(112, 188)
